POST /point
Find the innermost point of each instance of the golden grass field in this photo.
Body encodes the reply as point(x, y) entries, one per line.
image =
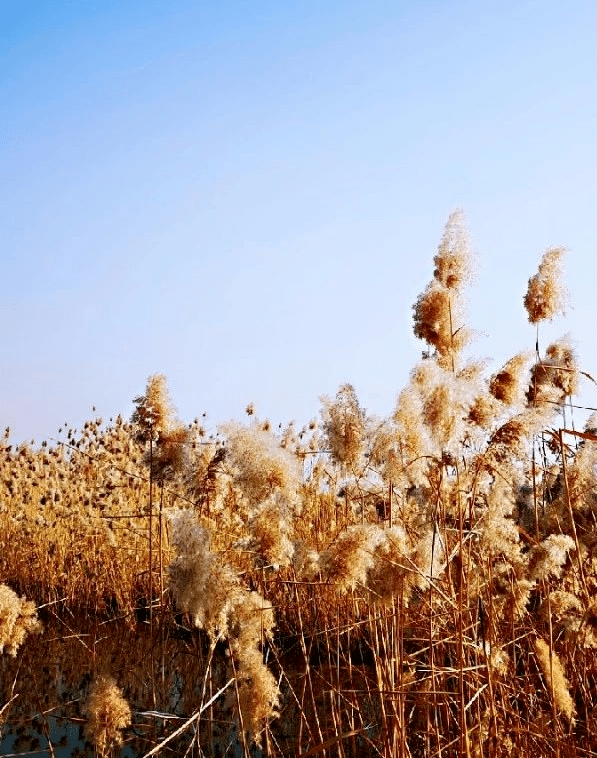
point(420, 585)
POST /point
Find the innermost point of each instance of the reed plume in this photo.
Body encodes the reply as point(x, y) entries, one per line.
point(153, 413)
point(556, 377)
point(347, 561)
point(259, 465)
point(154, 420)
point(548, 558)
point(209, 590)
point(108, 713)
point(555, 676)
point(546, 296)
point(438, 310)
point(507, 385)
point(18, 618)
point(344, 426)
point(271, 528)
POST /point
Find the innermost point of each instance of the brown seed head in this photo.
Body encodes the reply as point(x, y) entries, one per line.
point(108, 714)
point(556, 376)
point(344, 426)
point(546, 296)
point(507, 384)
point(553, 672)
point(453, 259)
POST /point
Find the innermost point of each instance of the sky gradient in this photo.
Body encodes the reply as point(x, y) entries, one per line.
point(247, 197)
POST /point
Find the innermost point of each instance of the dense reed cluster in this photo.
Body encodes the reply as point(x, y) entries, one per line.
point(418, 585)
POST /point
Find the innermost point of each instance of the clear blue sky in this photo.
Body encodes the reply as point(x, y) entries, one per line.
point(247, 196)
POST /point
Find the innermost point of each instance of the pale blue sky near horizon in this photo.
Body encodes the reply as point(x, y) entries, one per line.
point(247, 197)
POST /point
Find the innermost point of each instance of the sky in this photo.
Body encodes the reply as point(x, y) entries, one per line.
point(247, 196)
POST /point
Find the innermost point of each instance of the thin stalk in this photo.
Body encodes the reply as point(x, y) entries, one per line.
point(554, 710)
point(464, 739)
point(241, 725)
point(150, 592)
point(307, 675)
point(390, 515)
point(160, 544)
point(571, 515)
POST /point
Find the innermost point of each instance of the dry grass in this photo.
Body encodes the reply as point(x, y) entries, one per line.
point(421, 585)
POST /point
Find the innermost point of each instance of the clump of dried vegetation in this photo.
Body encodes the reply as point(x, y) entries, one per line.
point(420, 585)
point(108, 713)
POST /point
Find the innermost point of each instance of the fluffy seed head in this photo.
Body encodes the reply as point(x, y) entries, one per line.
point(408, 417)
point(260, 465)
point(190, 572)
point(511, 440)
point(258, 693)
point(171, 453)
point(344, 426)
point(154, 409)
point(210, 590)
point(393, 572)
point(546, 296)
point(553, 672)
point(508, 383)
point(108, 714)
point(437, 312)
point(271, 529)
point(432, 317)
point(548, 558)
point(440, 412)
point(18, 617)
point(453, 259)
point(483, 411)
point(498, 533)
point(556, 376)
point(347, 562)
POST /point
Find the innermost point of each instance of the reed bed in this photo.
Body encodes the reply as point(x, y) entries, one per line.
point(418, 585)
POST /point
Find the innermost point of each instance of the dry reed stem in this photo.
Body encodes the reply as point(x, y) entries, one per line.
point(181, 729)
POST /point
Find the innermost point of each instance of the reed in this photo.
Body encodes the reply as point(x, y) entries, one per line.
point(419, 585)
